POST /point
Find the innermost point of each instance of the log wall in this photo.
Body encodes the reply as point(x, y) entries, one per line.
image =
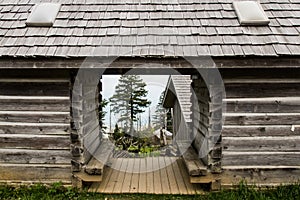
point(34, 127)
point(261, 134)
point(86, 128)
point(206, 122)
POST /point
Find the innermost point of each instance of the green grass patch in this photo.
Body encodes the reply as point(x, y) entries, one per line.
point(57, 191)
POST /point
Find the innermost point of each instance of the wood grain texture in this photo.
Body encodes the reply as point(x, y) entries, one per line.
point(264, 105)
point(264, 177)
point(260, 130)
point(23, 141)
point(268, 143)
point(35, 172)
point(26, 156)
point(251, 90)
point(270, 158)
point(35, 89)
point(35, 117)
point(262, 118)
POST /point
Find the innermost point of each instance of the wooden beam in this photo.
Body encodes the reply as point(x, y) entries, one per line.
point(153, 63)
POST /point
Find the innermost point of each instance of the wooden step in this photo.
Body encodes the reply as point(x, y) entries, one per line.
point(94, 167)
point(87, 178)
point(100, 158)
point(192, 162)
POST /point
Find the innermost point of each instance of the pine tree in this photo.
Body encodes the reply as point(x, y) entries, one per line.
point(129, 99)
point(159, 116)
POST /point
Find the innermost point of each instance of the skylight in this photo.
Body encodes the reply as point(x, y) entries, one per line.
point(43, 14)
point(250, 13)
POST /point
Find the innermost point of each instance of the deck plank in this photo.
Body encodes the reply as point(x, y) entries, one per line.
point(157, 178)
point(181, 184)
point(150, 175)
point(116, 165)
point(186, 178)
point(164, 176)
point(134, 184)
point(159, 175)
point(106, 178)
point(143, 178)
point(172, 180)
point(128, 176)
point(121, 175)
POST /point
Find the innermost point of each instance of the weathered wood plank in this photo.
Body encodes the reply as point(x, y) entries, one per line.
point(25, 141)
point(193, 163)
point(262, 118)
point(179, 178)
point(134, 183)
point(142, 188)
point(35, 89)
point(251, 90)
point(121, 176)
point(34, 103)
point(35, 156)
point(34, 128)
point(34, 80)
point(149, 175)
point(260, 176)
point(116, 165)
point(291, 143)
point(156, 176)
point(261, 158)
point(260, 130)
point(127, 178)
point(35, 117)
point(264, 105)
point(172, 181)
point(35, 172)
point(164, 176)
point(189, 187)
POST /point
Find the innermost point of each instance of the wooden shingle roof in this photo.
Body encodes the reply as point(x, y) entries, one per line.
point(179, 87)
point(142, 28)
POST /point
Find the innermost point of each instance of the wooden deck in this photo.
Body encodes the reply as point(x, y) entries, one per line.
point(156, 175)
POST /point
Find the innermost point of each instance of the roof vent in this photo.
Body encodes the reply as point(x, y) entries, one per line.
point(250, 13)
point(43, 14)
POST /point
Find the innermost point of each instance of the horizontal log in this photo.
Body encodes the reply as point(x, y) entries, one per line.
point(260, 176)
point(251, 90)
point(260, 130)
point(35, 89)
point(264, 105)
point(35, 172)
point(35, 156)
point(193, 163)
point(122, 65)
point(35, 116)
point(261, 80)
point(291, 143)
point(34, 103)
point(34, 128)
point(25, 141)
point(261, 158)
point(34, 80)
point(262, 118)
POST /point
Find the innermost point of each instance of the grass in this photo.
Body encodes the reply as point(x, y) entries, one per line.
point(57, 191)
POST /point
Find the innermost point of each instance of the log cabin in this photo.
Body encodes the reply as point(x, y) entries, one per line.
point(49, 130)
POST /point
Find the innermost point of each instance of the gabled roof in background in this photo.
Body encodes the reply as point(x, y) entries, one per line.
point(141, 28)
point(179, 88)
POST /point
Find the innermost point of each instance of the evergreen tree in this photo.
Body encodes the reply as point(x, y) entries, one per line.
point(129, 99)
point(159, 117)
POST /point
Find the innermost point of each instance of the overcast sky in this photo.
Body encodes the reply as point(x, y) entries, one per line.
point(155, 85)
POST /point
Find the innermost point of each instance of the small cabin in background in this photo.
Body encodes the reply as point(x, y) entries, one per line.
point(246, 126)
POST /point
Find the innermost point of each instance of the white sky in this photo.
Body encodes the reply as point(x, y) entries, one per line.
point(155, 85)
